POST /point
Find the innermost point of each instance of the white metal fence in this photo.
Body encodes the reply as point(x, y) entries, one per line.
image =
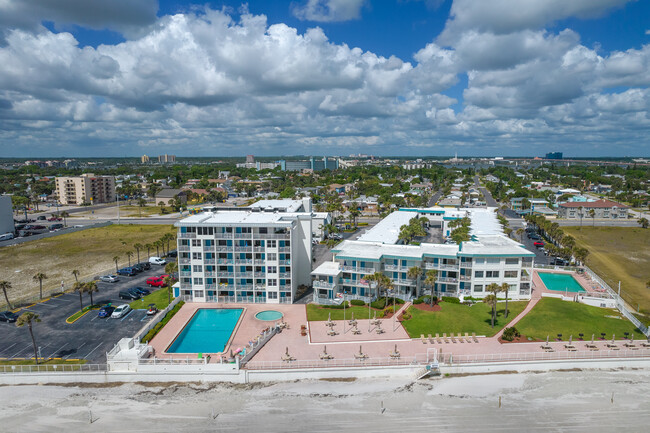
point(53, 368)
point(448, 358)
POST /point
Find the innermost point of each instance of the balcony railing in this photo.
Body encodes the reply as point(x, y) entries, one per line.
point(184, 261)
point(317, 284)
point(465, 278)
point(244, 275)
point(187, 235)
point(184, 248)
point(221, 235)
point(403, 282)
point(223, 248)
point(358, 269)
point(225, 274)
point(225, 261)
point(284, 249)
point(396, 268)
point(447, 280)
point(244, 261)
point(185, 273)
point(354, 282)
point(284, 275)
point(209, 261)
point(208, 248)
point(466, 265)
point(210, 274)
point(244, 249)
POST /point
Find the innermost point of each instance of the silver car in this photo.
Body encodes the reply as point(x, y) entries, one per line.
point(109, 278)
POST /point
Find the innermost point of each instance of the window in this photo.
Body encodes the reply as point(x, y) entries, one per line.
point(478, 274)
point(493, 260)
point(271, 243)
point(264, 230)
point(196, 256)
point(272, 295)
point(510, 274)
point(479, 261)
point(272, 257)
point(197, 268)
point(196, 242)
point(512, 287)
point(512, 261)
point(198, 281)
point(272, 282)
point(272, 269)
point(491, 274)
point(478, 287)
point(198, 293)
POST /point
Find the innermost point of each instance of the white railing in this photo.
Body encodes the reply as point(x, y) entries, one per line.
point(395, 268)
point(187, 235)
point(359, 269)
point(210, 261)
point(53, 368)
point(317, 363)
point(545, 356)
point(322, 285)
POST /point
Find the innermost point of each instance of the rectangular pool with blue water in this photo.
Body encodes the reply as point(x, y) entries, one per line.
point(208, 331)
point(560, 282)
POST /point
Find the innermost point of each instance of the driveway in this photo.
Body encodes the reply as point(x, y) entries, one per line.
point(89, 337)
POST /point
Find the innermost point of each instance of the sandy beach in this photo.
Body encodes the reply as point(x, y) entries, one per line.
point(595, 401)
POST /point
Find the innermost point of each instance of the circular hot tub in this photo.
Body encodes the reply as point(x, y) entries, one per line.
point(269, 315)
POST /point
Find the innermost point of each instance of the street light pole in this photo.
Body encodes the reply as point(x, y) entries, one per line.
point(118, 209)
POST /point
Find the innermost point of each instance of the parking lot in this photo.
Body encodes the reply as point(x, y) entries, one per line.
point(89, 337)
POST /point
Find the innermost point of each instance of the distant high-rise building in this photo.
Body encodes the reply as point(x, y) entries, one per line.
point(554, 155)
point(250, 159)
point(315, 164)
point(144, 159)
point(165, 159)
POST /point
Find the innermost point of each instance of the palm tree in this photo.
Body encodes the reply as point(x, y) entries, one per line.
point(382, 282)
point(162, 206)
point(6, 285)
point(643, 222)
point(80, 288)
point(40, 276)
point(64, 215)
point(171, 268)
point(129, 254)
point(592, 215)
point(141, 203)
point(169, 237)
point(148, 247)
point(580, 254)
point(354, 214)
point(91, 287)
point(504, 289)
point(414, 273)
point(491, 300)
point(115, 259)
point(138, 247)
point(75, 272)
point(157, 245)
point(169, 282)
point(430, 281)
point(581, 214)
point(28, 318)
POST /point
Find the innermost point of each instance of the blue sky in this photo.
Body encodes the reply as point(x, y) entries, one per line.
point(335, 77)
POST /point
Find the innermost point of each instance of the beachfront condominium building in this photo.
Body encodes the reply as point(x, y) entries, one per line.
point(85, 189)
point(466, 269)
point(166, 159)
point(256, 255)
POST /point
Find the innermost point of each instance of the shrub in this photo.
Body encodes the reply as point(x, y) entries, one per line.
point(406, 315)
point(451, 299)
point(379, 304)
point(357, 302)
point(510, 334)
point(417, 301)
point(335, 306)
point(158, 326)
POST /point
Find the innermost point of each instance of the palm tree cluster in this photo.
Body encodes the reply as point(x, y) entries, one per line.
point(494, 289)
point(382, 283)
point(562, 245)
point(461, 229)
point(415, 227)
point(90, 287)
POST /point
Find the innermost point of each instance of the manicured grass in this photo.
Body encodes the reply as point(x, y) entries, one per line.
point(555, 316)
point(78, 314)
point(461, 318)
point(316, 313)
point(89, 251)
point(619, 254)
point(159, 297)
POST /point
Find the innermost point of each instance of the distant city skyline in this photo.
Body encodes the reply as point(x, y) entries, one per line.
point(90, 78)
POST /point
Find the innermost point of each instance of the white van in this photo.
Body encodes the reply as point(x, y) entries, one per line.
point(157, 261)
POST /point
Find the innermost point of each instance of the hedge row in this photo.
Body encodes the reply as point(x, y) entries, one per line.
point(152, 333)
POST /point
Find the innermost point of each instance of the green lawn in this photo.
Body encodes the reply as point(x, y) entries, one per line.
point(618, 254)
point(554, 316)
point(460, 318)
point(316, 313)
point(159, 297)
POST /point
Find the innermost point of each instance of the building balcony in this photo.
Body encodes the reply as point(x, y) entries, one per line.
point(243, 235)
point(185, 273)
point(258, 249)
point(317, 284)
point(222, 235)
point(466, 265)
point(210, 274)
point(447, 280)
point(225, 274)
point(184, 261)
point(350, 282)
point(404, 282)
point(223, 248)
point(244, 249)
point(225, 261)
point(395, 268)
point(358, 269)
point(244, 275)
point(208, 248)
point(284, 275)
point(243, 261)
point(284, 262)
point(184, 248)
point(209, 261)
point(284, 249)
point(465, 278)
point(187, 235)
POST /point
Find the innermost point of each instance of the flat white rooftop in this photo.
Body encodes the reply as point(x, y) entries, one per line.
point(241, 218)
point(484, 222)
point(327, 268)
point(494, 245)
point(376, 250)
point(283, 205)
point(387, 230)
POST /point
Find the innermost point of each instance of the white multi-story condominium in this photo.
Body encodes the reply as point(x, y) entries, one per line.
point(462, 270)
point(244, 256)
point(86, 188)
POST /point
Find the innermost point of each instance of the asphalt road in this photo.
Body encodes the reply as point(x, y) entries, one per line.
point(435, 197)
point(89, 337)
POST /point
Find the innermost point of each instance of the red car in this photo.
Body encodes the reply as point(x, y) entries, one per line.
point(155, 282)
point(538, 243)
point(55, 219)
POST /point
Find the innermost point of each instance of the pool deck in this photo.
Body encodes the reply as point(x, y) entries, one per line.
point(583, 280)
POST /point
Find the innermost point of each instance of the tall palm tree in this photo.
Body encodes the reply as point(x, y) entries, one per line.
point(64, 215)
point(430, 281)
point(115, 259)
point(129, 254)
point(414, 273)
point(75, 272)
point(157, 245)
point(91, 287)
point(79, 288)
point(504, 289)
point(382, 282)
point(491, 300)
point(592, 215)
point(169, 282)
point(148, 247)
point(28, 318)
point(169, 237)
point(141, 203)
point(40, 276)
point(138, 247)
point(6, 285)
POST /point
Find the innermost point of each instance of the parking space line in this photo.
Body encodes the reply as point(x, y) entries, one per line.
point(11, 346)
point(16, 354)
point(58, 350)
point(127, 315)
point(68, 356)
point(88, 354)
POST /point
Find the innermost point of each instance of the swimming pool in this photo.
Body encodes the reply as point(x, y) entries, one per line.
point(208, 331)
point(560, 282)
point(269, 315)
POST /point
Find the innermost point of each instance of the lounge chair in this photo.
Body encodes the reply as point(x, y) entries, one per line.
point(395, 353)
point(591, 345)
point(546, 346)
point(423, 338)
point(331, 333)
point(467, 337)
point(324, 355)
point(360, 355)
point(431, 339)
point(646, 343)
point(460, 338)
point(438, 339)
point(444, 337)
point(612, 344)
point(569, 346)
point(630, 344)
point(474, 337)
point(453, 339)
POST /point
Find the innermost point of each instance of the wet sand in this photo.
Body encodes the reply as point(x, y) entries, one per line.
point(557, 401)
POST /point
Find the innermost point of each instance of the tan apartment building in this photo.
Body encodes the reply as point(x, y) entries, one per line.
point(86, 188)
point(603, 209)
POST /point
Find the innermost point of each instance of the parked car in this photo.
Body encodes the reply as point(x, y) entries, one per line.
point(8, 316)
point(156, 281)
point(534, 236)
point(126, 294)
point(6, 236)
point(138, 268)
point(121, 311)
point(109, 278)
point(55, 218)
point(56, 226)
point(152, 310)
point(41, 218)
point(105, 311)
point(157, 261)
point(172, 253)
point(336, 236)
point(538, 243)
point(140, 290)
point(127, 271)
point(145, 265)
